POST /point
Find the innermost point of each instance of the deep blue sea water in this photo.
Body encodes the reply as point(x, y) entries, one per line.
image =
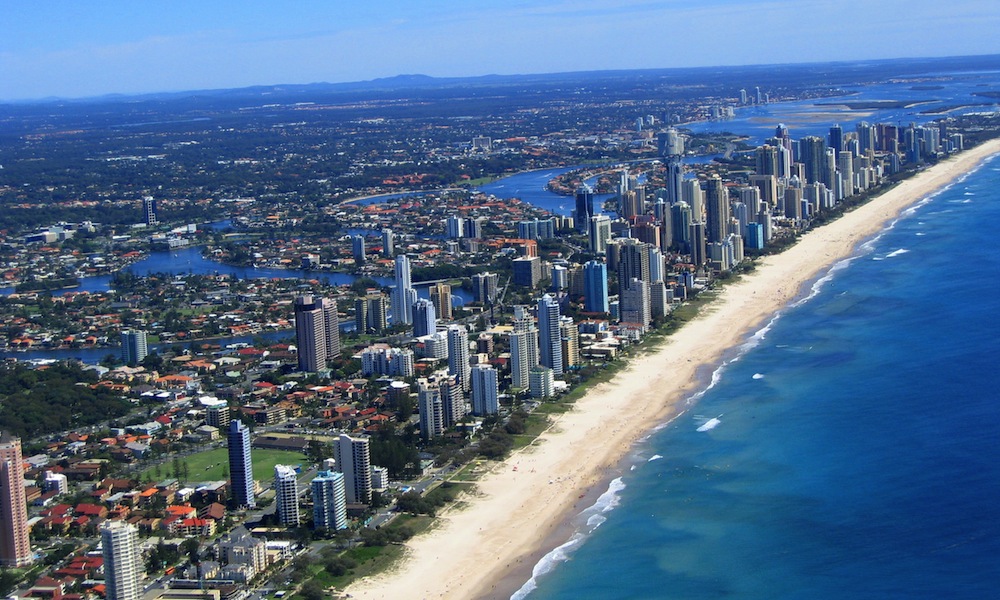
point(856, 447)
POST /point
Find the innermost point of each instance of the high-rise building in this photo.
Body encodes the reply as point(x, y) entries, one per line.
point(674, 180)
point(541, 382)
point(484, 287)
point(403, 295)
point(716, 209)
point(600, 233)
point(584, 207)
point(15, 546)
point(286, 495)
point(358, 249)
point(149, 210)
point(440, 294)
point(353, 459)
point(549, 344)
point(317, 332)
point(633, 262)
point(527, 271)
point(329, 501)
point(458, 354)
point(485, 391)
point(635, 303)
point(424, 317)
point(240, 466)
point(836, 138)
point(134, 347)
point(455, 227)
point(595, 277)
point(523, 348)
point(569, 337)
point(371, 314)
point(430, 405)
point(217, 415)
point(122, 560)
point(388, 243)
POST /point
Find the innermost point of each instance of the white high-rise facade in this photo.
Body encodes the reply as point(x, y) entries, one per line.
point(549, 342)
point(329, 501)
point(122, 562)
point(485, 391)
point(403, 295)
point(353, 458)
point(286, 495)
point(458, 354)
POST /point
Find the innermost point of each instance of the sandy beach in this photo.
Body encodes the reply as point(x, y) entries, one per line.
point(486, 549)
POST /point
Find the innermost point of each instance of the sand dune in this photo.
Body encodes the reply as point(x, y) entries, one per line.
point(487, 549)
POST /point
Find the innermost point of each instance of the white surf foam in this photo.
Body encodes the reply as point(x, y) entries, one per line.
point(895, 253)
point(654, 457)
point(710, 424)
point(594, 517)
point(758, 376)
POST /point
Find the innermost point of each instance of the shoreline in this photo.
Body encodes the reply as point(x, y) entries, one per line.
point(489, 547)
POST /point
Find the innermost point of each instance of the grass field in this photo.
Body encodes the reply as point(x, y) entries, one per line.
point(213, 465)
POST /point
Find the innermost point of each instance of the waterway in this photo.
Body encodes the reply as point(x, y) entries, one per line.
point(189, 260)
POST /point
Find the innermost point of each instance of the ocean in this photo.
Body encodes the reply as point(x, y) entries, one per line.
point(850, 449)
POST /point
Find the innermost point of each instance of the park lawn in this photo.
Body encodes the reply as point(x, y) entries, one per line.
point(213, 465)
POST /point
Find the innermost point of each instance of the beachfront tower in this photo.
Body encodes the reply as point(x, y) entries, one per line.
point(329, 501)
point(424, 317)
point(595, 282)
point(485, 391)
point(549, 340)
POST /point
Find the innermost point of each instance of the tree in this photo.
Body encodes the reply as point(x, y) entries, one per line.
point(312, 590)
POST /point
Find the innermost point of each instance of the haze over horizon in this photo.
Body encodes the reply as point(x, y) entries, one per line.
point(73, 50)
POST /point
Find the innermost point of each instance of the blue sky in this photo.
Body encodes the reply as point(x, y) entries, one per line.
point(78, 49)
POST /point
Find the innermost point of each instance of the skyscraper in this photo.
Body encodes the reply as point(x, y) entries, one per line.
point(286, 495)
point(424, 317)
point(430, 405)
point(240, 465)
point(329, 501)
point(717, 210)
point(403, 294)
point(484, 287)
point(353, 458)
point(440, 294)
point(674, 179)
point(122, 562)
point(149, 210)
point(549, 344)
point(458, 354)
point(15, 547)
point(134, 347)
point(317, 332)
point(595, 277)
point(388, 243)
point(584, 207)
point(523, 348)
point(600, 233)
point(371, 314)
point(358, 249)
point(485, 392)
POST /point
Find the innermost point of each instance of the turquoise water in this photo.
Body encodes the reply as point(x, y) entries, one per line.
point(853, 451)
